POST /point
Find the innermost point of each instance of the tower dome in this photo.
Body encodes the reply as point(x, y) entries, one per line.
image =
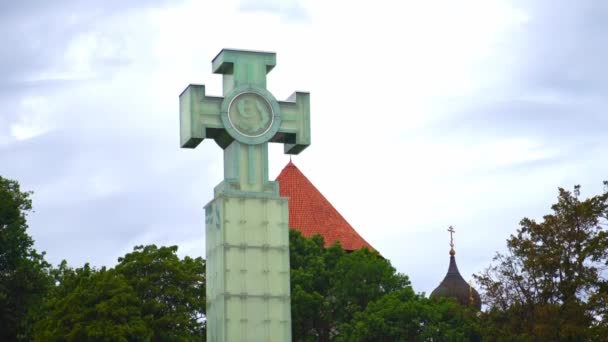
point(454, 286)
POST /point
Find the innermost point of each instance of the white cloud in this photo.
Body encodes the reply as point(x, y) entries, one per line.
point(33, 118)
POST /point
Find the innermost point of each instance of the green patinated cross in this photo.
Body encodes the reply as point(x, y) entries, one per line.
point(245, 119)
point(246, 234)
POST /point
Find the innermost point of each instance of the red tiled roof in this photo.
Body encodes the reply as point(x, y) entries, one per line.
point(311, 213)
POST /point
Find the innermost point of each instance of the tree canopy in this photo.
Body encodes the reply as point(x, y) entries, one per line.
point(359, 296)
point(551, 284)
point(151, 295)
point(91, 304)
point(24, 274)
point(406, 316)
point(330, 285)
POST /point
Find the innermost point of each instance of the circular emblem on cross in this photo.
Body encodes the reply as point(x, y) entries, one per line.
point(250, 114)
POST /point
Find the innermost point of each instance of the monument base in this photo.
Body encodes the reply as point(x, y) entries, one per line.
point(248, 294)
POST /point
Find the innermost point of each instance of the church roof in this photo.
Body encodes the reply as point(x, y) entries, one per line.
point(311, 213)
point(454, 286)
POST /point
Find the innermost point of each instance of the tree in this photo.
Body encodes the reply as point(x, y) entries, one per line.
point(309, 283)
point(405, 316)
point(171, 291)
point(92, 305)
point(24, 274)
point(151, 295)
point(329, 286)
point(551, 283)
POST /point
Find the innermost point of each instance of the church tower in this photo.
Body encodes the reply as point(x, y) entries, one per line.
point(454, 286)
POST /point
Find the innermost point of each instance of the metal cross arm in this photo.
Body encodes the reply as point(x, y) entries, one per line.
point(200, 118)
point(295, 123)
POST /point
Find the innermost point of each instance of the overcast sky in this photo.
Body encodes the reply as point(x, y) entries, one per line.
point(424, 114)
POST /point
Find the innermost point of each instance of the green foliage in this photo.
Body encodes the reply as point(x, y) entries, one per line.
point(405, 316)
point(309, 283)
point(358, 296)
point(151, 295)
point(93, 305)
point(24, 274)
point(171, 291)
point(549, 286)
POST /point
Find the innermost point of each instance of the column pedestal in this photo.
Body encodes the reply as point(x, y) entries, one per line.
point(248, 294)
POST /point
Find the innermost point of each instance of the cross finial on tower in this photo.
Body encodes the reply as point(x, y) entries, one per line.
point(452, 231)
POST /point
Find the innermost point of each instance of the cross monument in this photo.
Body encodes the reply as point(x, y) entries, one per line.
point(247, 237)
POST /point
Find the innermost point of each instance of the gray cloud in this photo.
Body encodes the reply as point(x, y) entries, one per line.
point(553, 84)
point(36, 34)
point(95, 197)
point(287, 9)
point(95, 190)
point(64, 7)
point(564, 47)
point(553, 122)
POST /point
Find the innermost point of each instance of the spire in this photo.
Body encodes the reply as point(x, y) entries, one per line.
point(453, 284)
